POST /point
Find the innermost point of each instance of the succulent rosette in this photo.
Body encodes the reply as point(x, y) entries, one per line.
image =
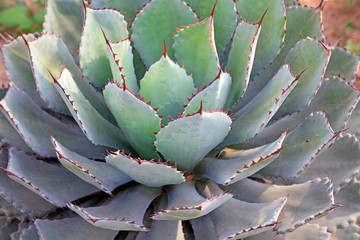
point(179, 119)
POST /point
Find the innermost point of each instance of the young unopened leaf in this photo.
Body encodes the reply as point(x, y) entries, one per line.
point(195, 49)
point(166, 82)
point(155, 23)
point(224, 19)
point(95, 64)
point(121, 63)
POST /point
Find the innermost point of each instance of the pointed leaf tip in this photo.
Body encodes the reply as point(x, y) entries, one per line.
point(164, 53)
point(213, 10)
point(201, 106)
point(262, 18)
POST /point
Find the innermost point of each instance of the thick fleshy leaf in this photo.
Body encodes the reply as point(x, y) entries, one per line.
point(166, 229)
point(306, 232)
point(342, 63)
point(35, 126)
point(314, 56)
point(228, 224)
point(28, 234)
point(272, 30)
point(241, 58)
point(123, 212)
point(234, 165)
point(252, 118)
point(135, 117)
point(354, 122)
point(290, 2)
point(185, 203)
point(301, 22)
point(99, 174)
point(333, 163)
point(224, 19)
point(9, 135)
point(304, 201)
point(203, 228)
point(166, 82)
point(337, 98)
point(121, 63)
point(20, 197)
point(65, 20)
point(149, 173)
point(90, 121)
point(303, 145)
point(212, 96)
point(49, 55)
point(127, 7)
point(348, 197)
point(139, 65)
point(95, 64)
point(71, 228)
point(18, 67)
point(55, 184)
point(172, 109)
point(187, 140)
point(195, 48)
point(155, 23)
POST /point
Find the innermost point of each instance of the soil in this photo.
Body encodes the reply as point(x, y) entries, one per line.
point(338, 17)
point(341, 19)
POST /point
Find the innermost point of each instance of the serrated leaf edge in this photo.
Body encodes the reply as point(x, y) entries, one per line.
point(260, 159)
point(80, 166)
point(196, 208)
point(111, 219)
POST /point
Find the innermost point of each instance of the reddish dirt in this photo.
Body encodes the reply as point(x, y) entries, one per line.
point(336, 15)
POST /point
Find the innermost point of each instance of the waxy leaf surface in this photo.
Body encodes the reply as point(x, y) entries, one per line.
point(99, 174)
point(89, 120)
point(187, 140)
point(123, 212)
point(155, 24)
point(195, 49)
point(55, 184)
point(149, 173)
point(95, 64)
point(135, 117)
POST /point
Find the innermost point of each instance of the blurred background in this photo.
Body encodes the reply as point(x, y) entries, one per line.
point(341, 19)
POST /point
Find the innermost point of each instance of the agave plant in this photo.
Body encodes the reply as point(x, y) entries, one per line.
point(179, 119)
